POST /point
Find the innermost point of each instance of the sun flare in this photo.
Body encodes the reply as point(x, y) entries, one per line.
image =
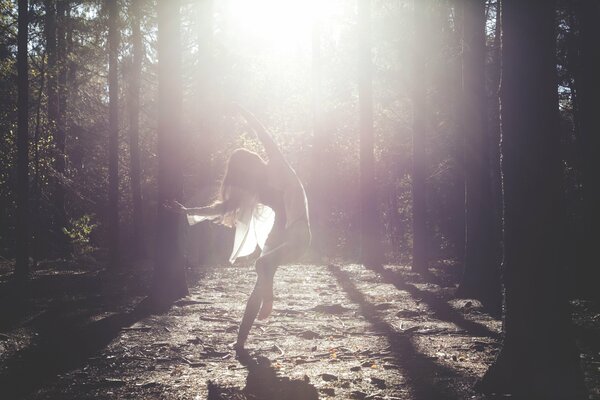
point(278, 24)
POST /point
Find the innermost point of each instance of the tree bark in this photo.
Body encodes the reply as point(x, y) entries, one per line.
point(169, 272)
point(22, 230)
point(60, 124)
point(588, 93)
point(134, 127)
point(202, 151)
point(538, 358)
point(37, 191)
point(481, 277)
point(419, 209)
point(370, 238)
point(113, 138)
point(58, 222)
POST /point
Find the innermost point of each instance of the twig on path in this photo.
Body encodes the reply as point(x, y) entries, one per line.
point(282, 353)
point(136, 328)
point(341, 321)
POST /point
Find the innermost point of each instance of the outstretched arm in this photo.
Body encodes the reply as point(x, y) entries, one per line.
point(261, 132)
point(213, 210)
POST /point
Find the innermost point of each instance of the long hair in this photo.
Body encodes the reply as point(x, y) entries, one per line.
point(244, 172)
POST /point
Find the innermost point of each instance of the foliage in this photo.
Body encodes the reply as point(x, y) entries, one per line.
point(79, 232)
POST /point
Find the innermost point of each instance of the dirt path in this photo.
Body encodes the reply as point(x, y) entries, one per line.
point(336, 331)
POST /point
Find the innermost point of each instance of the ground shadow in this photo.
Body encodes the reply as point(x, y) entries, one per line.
point(18, 300)
point(427, 379)
point(62, 344)
point(263, 383)
point(441, 309)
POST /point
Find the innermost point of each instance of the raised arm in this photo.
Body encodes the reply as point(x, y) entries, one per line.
point(261, 132)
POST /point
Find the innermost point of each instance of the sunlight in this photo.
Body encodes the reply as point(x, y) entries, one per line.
point(277, 24)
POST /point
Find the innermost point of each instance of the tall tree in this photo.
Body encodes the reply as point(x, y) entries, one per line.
point(60, 133)
point(316, 188)
point(134, 125)
point(538, 359)
point(22, 259)
point(169, 272)
point(206, 124)
point(419, 82)
point(481, 278)
point(113, 138)
point(53, 114)
point(370, 235)
point(588, 99)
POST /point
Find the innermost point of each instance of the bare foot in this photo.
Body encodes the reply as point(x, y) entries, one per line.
point(265, 310)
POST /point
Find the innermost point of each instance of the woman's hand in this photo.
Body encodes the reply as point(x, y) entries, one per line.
point(175, 206)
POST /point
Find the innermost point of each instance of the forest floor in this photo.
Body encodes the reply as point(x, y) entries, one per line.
point(337, 331)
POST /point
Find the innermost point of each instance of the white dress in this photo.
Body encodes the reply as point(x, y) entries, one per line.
point(252, 227)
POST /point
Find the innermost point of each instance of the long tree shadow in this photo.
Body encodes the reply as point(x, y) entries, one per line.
point(62, 345)
point(423, 374)
point(441, 309)
point(263, 383)
point(18, 300)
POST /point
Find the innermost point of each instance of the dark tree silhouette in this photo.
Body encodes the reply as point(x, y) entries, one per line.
point(588, 99)
point(113, 136)
point(169, 275)
point(419, 209)
point(53, 114)
point(370, 236)
point(481, 278)
point(538, 358)
point(22, 256)
point(60, 124)
point(134, 126)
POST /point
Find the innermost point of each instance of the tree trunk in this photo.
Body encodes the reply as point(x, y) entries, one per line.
point(419, 209)
point(60, 125)
point(320, 205)
point(538, 359)
point(494, 133)
point(481, 278)
point(58, 221)
point(369, 229)
point(588, 92)
point(169, 272)
point(113, 138)
point(134, 127)
point(202, 151)
point(22, 229)
point(37, 190)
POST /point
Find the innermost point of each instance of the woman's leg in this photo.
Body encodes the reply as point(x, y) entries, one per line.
point(252, 308)
point(297, 241)
point(266, 266)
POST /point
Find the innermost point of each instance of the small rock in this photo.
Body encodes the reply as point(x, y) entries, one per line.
point(310, 335)
point(367, 364)
point(380, 383)
point(329, 377)
point(384, 306)
point(354, 369)
point(327, 391)
point(357, 394)
point(406, 314)
point(331, 309)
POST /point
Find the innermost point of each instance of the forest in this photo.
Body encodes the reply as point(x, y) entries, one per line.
point(410, 189)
